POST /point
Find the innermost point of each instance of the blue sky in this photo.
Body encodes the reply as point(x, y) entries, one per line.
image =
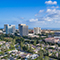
point(34, 13)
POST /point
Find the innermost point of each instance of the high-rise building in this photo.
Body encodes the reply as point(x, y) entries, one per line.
point(37, 30)
point(9, 28)
point(5, 27)
point(23, 29)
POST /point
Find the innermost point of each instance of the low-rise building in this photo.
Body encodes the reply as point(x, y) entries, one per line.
point(32, 36)
point(59, 42)
point(52, 40)
point(1, 32)
point(2, 42)
point(34, 56)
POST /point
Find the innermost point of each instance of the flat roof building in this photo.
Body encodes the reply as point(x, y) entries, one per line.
point(37, 30)
point(23, 29)
point(9, 28)
point(52, 40)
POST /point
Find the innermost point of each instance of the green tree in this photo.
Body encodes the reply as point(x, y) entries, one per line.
point(46, 58)
point(34, 42)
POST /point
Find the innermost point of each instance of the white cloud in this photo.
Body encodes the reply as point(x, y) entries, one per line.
point(48, 10)
point(55, 7)
point(21, 17)
point(33, 20)
point(41, 11)
point(57, 22)
point(51, 2)
point(51, 11)
point(48, 19)
point(36, 14)
point(50, 15)
point(53, 14)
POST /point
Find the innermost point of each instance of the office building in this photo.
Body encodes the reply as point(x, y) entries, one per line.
point(23, 29)
point(37, 30)
point(9, 28)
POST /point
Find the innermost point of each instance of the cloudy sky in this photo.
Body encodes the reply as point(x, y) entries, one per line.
point(34, 13)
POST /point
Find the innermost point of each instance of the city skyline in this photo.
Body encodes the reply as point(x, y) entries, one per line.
point(34, 13)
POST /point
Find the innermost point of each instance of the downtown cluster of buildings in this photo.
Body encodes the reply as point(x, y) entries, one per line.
point(24, 31)
point(22, 28)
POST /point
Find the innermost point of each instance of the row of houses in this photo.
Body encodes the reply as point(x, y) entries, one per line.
point(23, 54)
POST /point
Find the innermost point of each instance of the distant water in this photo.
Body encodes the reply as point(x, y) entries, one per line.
point(48, 28)
point(42, 28)
point(51, 28)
